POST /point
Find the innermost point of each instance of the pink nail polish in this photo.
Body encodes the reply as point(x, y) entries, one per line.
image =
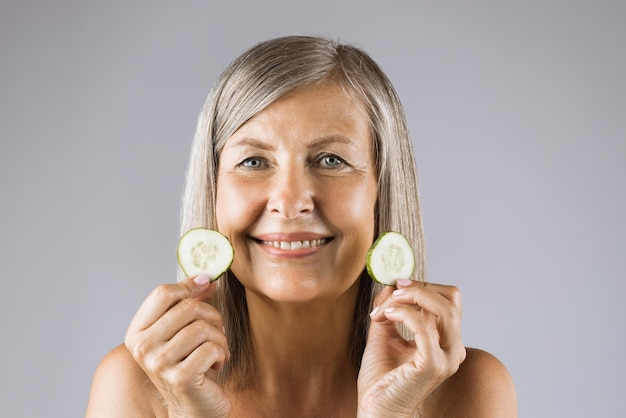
point(374, 311)
point(404, 282)
point(201, 279)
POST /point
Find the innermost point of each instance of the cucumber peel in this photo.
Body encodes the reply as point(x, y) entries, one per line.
point(204, 251)
point(390, 258)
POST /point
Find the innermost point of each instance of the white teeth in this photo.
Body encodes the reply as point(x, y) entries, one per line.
point(295, 245)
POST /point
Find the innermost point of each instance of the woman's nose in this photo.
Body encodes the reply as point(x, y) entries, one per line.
point(292, 194)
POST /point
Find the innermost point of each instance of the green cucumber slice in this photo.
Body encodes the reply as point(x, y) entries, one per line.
point(204, 251)
point(390, 258)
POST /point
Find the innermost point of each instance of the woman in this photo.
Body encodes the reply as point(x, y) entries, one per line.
point(301, 158)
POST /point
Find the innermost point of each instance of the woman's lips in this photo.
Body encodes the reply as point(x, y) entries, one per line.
point(296, 245)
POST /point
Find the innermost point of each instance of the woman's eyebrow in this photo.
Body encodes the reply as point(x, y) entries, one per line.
point(250, 142)
point(315, 142)
point(331, 139)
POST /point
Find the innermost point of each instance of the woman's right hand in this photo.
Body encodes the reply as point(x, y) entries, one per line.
point(178, 339)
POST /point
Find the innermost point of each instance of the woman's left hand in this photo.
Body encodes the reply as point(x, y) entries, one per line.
point(397, 375)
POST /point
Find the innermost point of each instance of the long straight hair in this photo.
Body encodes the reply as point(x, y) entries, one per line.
point(248, 85)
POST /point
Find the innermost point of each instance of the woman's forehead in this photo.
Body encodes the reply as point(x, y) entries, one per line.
point(318, 109)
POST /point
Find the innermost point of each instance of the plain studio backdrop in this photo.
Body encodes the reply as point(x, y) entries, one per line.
point(518, 116)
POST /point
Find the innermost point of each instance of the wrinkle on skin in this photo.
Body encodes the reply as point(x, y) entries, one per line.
point(287, 139)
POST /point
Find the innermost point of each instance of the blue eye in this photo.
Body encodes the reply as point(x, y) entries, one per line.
point(330, 160)
point(253, 163)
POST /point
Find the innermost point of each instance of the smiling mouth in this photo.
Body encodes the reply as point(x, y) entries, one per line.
point(296, 245)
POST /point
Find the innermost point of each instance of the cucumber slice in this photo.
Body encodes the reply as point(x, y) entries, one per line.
point(390, 258)
point(204, 251)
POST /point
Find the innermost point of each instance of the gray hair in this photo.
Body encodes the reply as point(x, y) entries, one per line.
point(248, 85)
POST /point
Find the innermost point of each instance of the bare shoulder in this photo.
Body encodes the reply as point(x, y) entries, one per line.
point(121, 388)
point(482, 387)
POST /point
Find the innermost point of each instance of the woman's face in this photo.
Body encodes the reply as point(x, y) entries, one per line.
point(296, 195)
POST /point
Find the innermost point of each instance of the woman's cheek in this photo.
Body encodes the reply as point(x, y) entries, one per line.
point(235, 203)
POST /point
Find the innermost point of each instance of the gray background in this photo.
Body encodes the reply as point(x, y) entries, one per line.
point(517, 111)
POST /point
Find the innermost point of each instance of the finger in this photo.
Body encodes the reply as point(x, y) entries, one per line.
point(429, 298)
point(449, 292)
point(191, 337)
point(428, 350)
point(444, 302)
point(385, 300)
point(424, 330)
point(429, 355)
point(205, 357)
point(193, 370)
point(206, 295)
point(382, 300)
point(440, 313)
point(181, 315)
point(164, 297)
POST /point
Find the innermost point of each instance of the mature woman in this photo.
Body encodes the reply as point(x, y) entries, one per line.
point(301, 158)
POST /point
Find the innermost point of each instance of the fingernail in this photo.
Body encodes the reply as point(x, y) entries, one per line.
point(404, 282)
point(374, 311)
point(390, 310)
point(398, 292)
point(201, 279)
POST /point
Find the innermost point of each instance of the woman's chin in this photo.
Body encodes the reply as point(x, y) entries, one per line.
point(289, 289)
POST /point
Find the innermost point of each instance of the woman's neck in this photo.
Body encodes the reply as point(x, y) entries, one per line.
point(302, 352)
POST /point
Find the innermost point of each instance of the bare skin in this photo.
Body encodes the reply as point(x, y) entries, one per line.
point(296, 195)
point(480, 388)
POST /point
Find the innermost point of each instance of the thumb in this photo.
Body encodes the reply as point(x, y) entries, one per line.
point(197, 287)
point(383, 298)
point(204, 289)
point(380, 326)
point(381, 329)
